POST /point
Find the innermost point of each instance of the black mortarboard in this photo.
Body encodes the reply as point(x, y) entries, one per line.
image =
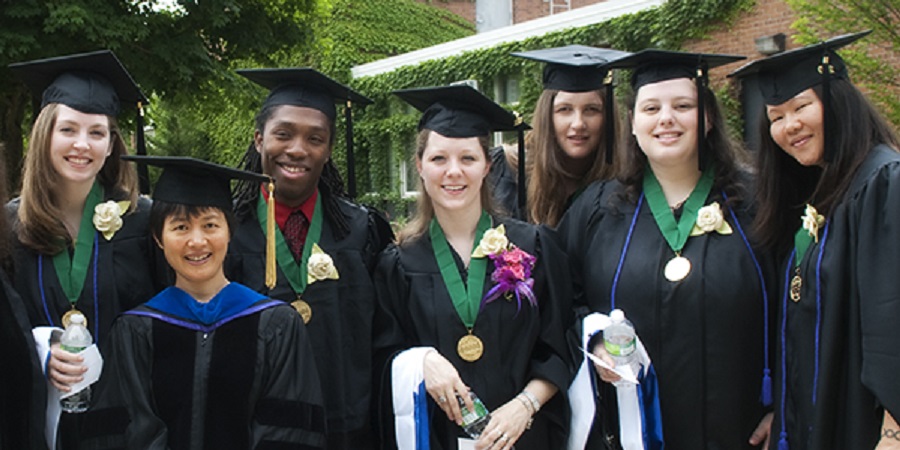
point(191, 181)
point(307, 87)
point(782, 76)
point(303, 86)
point(579, 68)
point(458, 111)
point(93, 83)
point(574, 68)
point(653, 66)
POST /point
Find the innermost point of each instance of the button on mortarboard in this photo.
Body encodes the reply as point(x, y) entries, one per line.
point(93, 83)
point(782, 76)
point(574, 68)
point(458, 111)
point(190, 181)
point(303, 87)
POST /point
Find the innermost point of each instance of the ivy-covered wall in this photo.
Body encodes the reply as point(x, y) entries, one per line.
point(381, 133)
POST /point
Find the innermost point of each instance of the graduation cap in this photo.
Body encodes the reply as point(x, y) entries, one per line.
point(780, 77)
point(93, 83)
point(579, 68)
point(194, 182)
point(307, 87)
point(654, 65)
point(461, 111)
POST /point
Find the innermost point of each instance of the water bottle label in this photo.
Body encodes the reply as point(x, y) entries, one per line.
point(623, 349)
point(470, 417)
point(71, 349)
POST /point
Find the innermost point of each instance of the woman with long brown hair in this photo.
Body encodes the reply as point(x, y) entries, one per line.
point(82, 243)
point(573, 139)
point(666, 243)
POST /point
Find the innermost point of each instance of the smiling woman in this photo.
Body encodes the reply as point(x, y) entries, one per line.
point(212, 338)
point(439, 270)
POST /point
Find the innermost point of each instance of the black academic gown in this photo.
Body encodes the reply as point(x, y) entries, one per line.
point(246, 381)
point(704, 334)
point(858, 337)
point(415, 310)
point(340, 328)
point(22, 386)
point(124, 274)
point(504, 180)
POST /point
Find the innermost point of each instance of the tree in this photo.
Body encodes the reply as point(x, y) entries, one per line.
point(171, 49)
point(819, 19)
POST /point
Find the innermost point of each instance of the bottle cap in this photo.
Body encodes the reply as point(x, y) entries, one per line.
point(617, 315)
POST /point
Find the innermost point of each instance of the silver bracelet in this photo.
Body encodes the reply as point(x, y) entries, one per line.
point(534, 401)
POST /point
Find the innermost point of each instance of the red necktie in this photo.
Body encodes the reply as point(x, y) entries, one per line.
point(295, 228)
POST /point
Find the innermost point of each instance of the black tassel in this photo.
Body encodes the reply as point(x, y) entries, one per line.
point(701, 116)
point(609, 118)
point(522, 184)
point(827, 120)
point(351, 165)
point(143, 172)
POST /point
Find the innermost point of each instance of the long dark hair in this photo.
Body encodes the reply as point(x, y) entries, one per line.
point(331, 185)
point(546, 176)
point(785, 186)
point(729, 158)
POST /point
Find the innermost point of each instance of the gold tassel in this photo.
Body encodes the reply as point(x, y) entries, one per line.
point(271, 275)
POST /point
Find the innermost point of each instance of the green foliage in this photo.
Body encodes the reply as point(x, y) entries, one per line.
point(383, 133)
point(824, 18)
point(176, 53)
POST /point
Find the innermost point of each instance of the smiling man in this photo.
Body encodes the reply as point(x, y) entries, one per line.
point(325, 244)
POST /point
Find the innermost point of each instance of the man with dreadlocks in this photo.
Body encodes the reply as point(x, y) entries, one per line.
point(325, 245)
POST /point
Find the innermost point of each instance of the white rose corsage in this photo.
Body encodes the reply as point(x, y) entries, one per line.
point(492, 242)
point(710, 219)
point(812, 220)
point(108, 217)
point(320, 266)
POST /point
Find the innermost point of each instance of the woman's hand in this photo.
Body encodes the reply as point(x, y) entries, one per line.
point(506, 426)
point(763, 432)
point(606, 375)
point(443, 384)
point(890, 434)
point(64, 369)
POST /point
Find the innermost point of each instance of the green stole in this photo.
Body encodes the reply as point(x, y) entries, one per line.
point(676, 232)
point(72, 271)
point(295, 272)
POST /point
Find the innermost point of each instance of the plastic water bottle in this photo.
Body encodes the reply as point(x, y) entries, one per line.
point(474, 421)
point(619, 341)
point(74, 339)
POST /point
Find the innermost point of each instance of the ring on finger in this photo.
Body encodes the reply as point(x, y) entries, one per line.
point(442, 399)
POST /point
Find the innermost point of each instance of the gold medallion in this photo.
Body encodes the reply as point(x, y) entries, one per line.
point(470, 348)
point(303, 308)
point(67, 317)
point(677, 268)
point(796, 284)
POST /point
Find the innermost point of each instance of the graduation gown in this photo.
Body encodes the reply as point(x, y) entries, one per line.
point(837, 400)
point(123, 274)
point(704, 334)
point(340, 328)
point(415, 310)
point(246, 380)
point(504, 180)
point(22, 386)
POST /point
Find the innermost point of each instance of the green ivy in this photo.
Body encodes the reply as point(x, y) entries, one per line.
point(381, 133)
